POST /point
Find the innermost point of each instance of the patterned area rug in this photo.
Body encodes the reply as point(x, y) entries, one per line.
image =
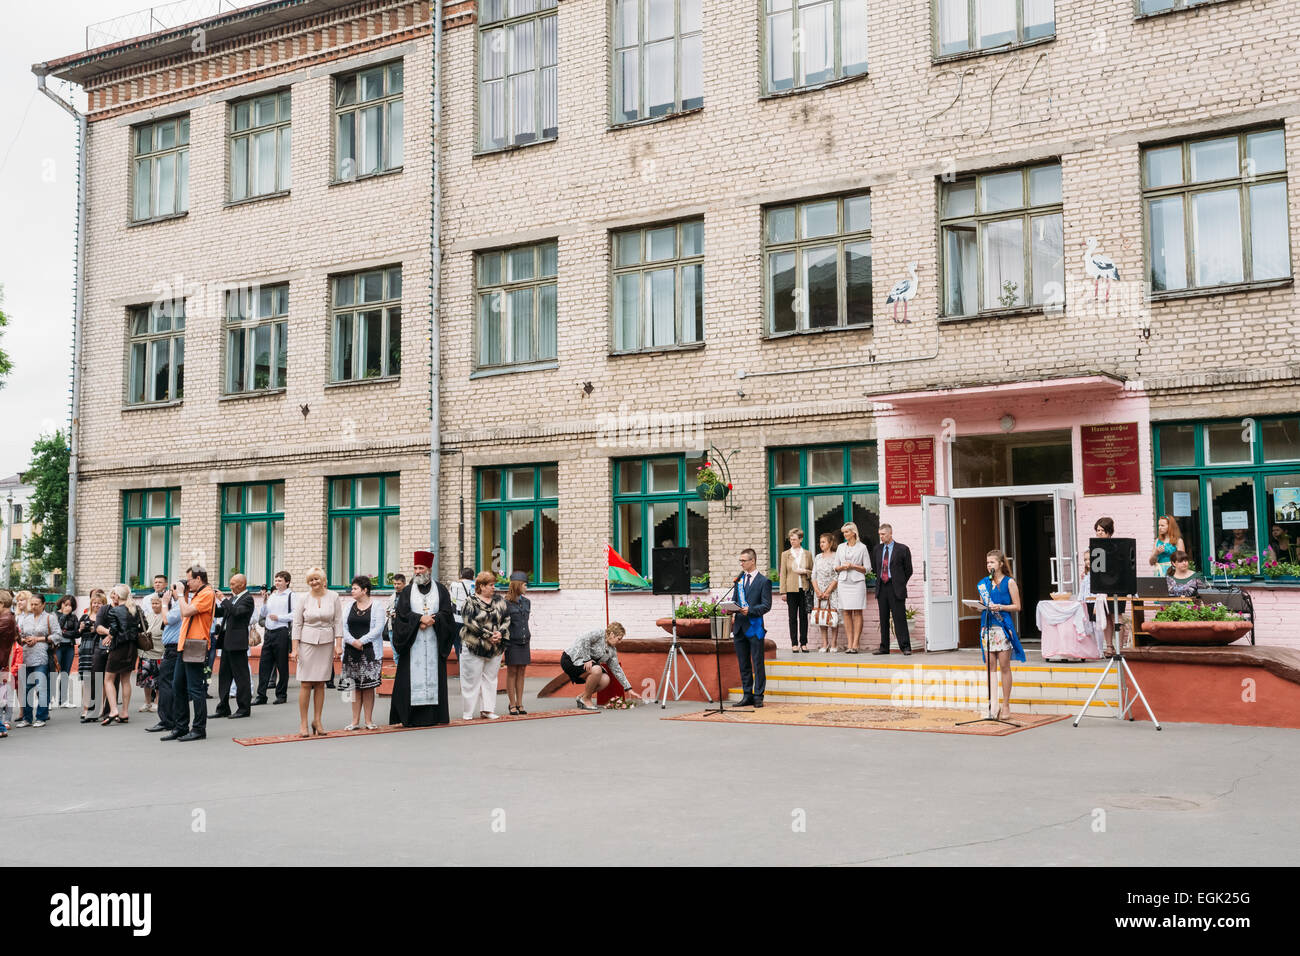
point(398, 728)
point(925, 719)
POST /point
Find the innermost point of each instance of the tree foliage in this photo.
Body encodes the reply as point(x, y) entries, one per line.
point(48, 476)
point(5, 364)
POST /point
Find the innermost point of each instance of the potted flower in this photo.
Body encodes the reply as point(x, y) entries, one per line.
point(692, 617)
point(709, 484)
point(1233, 566)
point(1198, 624)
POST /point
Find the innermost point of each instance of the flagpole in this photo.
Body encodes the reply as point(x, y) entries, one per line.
point(607, 547)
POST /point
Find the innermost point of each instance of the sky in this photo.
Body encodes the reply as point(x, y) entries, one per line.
point(38, 197)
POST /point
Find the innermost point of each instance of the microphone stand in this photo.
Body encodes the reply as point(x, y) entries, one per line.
point(717, 661)
point(988, 667)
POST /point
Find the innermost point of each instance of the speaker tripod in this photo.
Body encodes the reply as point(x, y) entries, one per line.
point(670, 678)
point(1121, 668)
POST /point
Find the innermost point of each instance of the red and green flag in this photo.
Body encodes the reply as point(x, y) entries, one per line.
point(620, 572)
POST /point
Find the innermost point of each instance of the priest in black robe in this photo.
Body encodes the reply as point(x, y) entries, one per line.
point(423, 632)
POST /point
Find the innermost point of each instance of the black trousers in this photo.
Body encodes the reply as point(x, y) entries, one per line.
point(892, 605)
point(274, 663)
point(234, 666)
point(797, 608)
point(189, 688)
point(166, 690)
point(753, 670)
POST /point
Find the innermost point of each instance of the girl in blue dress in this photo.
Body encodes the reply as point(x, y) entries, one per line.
point(1000, 597)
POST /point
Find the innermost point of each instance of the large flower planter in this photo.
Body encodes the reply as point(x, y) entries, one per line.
point(686, 626)
point(712, 493)
point(1198, 633)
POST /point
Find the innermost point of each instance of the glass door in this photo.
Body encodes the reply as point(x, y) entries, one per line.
point(1065, 563)
point(940, 573)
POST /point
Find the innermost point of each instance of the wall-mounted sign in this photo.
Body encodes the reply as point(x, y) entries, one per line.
point(909, 470)
point(1182, 504)
point(1232, 520)
point(1111, 464)
point(1286, 504)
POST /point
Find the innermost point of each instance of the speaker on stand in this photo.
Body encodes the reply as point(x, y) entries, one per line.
point(671, 575)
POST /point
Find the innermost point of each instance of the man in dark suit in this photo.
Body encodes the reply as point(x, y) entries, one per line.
point(237, 612)
point(754, 595)
point(892, 564)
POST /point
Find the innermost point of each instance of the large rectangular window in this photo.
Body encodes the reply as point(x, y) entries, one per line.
point(156, 353)
point(658, 286)
point(368, 121)
point(1216, 211)
point(366, 323)
point(150, 522)
point(160, 183)
point(818, 489)
point(966, 25)
point(1232, 486)
point(656, 506)
point(517, 72)
point(1003, 240)
point(260, 139)
point(809, 42)
point(256, 338)
point(252, 532)
point(364, 529)
point(658, 58)
point(1160, 6)
point(516, 305)
point(818, 257)
point(519, 522)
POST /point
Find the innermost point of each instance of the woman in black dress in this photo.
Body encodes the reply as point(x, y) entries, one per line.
point(120, 630)
point(91, 658)
point(518, 656)
point(363, 651)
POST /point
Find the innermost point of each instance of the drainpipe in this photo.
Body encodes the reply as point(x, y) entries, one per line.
point(78, 320)
point(435, 288)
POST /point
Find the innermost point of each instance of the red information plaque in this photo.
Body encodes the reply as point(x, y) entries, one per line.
point(1111, 465)
point(909, 470)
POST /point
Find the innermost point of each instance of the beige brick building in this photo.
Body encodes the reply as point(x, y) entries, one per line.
point(693, 255)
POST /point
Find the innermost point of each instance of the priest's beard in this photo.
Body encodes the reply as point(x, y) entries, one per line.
point(422, 581)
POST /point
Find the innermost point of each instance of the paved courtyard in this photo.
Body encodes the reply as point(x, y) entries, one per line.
point(641, 790)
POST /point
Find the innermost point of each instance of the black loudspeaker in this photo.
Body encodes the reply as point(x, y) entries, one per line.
point(1112, 563)
point(670, 570)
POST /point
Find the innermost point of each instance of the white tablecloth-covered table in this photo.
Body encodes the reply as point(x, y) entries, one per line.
point(1066, 631)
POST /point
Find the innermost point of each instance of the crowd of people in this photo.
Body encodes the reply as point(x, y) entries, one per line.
point(169, 642)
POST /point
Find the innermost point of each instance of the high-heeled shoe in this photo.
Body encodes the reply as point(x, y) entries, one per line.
point(304, 733)
point(317, 731)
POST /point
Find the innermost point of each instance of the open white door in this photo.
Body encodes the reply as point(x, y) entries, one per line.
point(939, 569)
point(1065, 564)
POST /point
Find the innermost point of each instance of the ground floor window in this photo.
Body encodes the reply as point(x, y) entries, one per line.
point(818, 489)
point(364, 529)
point(656, 506)
point(519, 522)
point(1232, 486)
point(151, 519)
point(252, 532)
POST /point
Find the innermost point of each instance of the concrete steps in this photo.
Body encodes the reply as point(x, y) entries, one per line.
point(1037, 688)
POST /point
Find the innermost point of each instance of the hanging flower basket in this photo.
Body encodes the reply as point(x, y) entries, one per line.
point(709, 484)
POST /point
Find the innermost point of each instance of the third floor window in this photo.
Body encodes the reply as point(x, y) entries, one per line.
point(809, 42)
point(818, 257)
point(658, 58)
point(259, 146)
point(256, 338)
point(368, 121)
point(517, 72)
point(966, 25)
point(161, 180)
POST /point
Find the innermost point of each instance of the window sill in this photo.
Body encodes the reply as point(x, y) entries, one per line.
point(781, 94)
point(617, 589)
point(233, 203)
point(1185, 9)
point(512, 369)
point(939, 60)
point(355, 382)
point(651, 120)
point(1003, 314)
point(776, 336)
point(514, 148)
point(134, 223)
point(660, 349)
point(1208, 291)
point(396, 171)
point(245, 396)
point(146, 406)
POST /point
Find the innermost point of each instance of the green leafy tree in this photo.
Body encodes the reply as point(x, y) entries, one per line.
point(48, 476)
point(5, 364)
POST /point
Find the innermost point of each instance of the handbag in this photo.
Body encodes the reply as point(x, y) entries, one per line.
point(194, 652)
point(254, 634)
point(823, 615)
point(143, 640)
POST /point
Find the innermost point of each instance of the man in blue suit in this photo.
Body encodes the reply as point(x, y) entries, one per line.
point(754, 595)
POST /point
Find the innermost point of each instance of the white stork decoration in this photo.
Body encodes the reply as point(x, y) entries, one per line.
point(1098, 267)
point(904, 291)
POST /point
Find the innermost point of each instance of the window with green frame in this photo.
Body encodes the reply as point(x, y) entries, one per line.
point(150, 519)
point(655, 505)
point(252, 532)
point(364, 529)
point(519, 522)
point(1218, 477)
point(820, 488)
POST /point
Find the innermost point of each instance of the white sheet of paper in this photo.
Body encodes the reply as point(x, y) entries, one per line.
point(1182, 504)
